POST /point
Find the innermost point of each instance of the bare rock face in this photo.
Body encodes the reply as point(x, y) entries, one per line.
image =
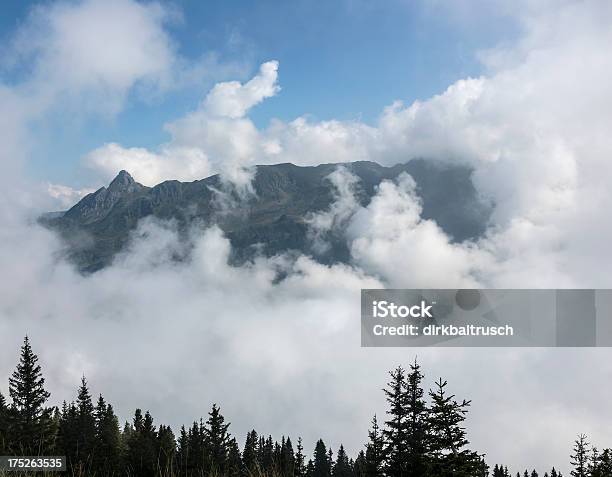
point(270, 221)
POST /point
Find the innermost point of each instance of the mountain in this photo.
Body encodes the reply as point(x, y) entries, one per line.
point(270, 221)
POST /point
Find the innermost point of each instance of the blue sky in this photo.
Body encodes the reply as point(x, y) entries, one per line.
point(341, 59)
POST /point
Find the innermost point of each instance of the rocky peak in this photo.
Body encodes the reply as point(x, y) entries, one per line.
point(123, 183)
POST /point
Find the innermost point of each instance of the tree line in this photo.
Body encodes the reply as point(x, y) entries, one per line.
point(422, 435)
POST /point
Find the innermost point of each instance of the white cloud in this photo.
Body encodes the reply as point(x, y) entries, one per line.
point(233, 100)
point(94, 52)
point(335, 219)
point(66, 196)
point(149, 168)
point(389, 239)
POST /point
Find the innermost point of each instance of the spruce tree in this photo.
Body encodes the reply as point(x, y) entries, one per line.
point(31, 424)
point(287, 463)
point(85, 428)
point(216, 439)
point(300, 468)
point(579, 458)
point(396, 433)
point(142, 446)
point(374, 455)
point(235, 465)
point(342, 466)
point(166, 450)
point(447, 436)
point(310, 468)
point(267, 455)
point(360, 466)
point(249, 454)
point(182, 451)
point(321, 466)
point(603, 466)
point(417, 423)
point(108, 438)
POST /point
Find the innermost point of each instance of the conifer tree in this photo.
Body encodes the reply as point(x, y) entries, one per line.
point(249, 454)
point(321, 465)
point(374, 455)
point(396, 433)
point(310, 468)
point(417, 423)
point(287, 462)
point(216, 439)
point(31, 424)
point(447, 437)
point(141, 446)
point(182, 451)
point(166, 450)
point(85, 428)
point(603, 465)
point(108, 438)
point(580, 457)
point(235, 466)
point(300, 468)
point(360, 466)
point(341, 467)
point(267, 455)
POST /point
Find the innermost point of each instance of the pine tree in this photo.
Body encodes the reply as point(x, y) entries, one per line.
point(321, 465)
point(341, 467)
point(216, 439)
point(534, 473)
point(580, 457)
point(374, 455)
point(31, 424)
point(396, 433)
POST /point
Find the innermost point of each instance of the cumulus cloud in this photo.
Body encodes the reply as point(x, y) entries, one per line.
point(216, 137)
point(335, 219)
point(127, 39)
point(150, 168)
point(66, 196)
point(388, 238)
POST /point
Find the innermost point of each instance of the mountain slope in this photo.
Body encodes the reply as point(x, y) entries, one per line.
point(273, 219)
